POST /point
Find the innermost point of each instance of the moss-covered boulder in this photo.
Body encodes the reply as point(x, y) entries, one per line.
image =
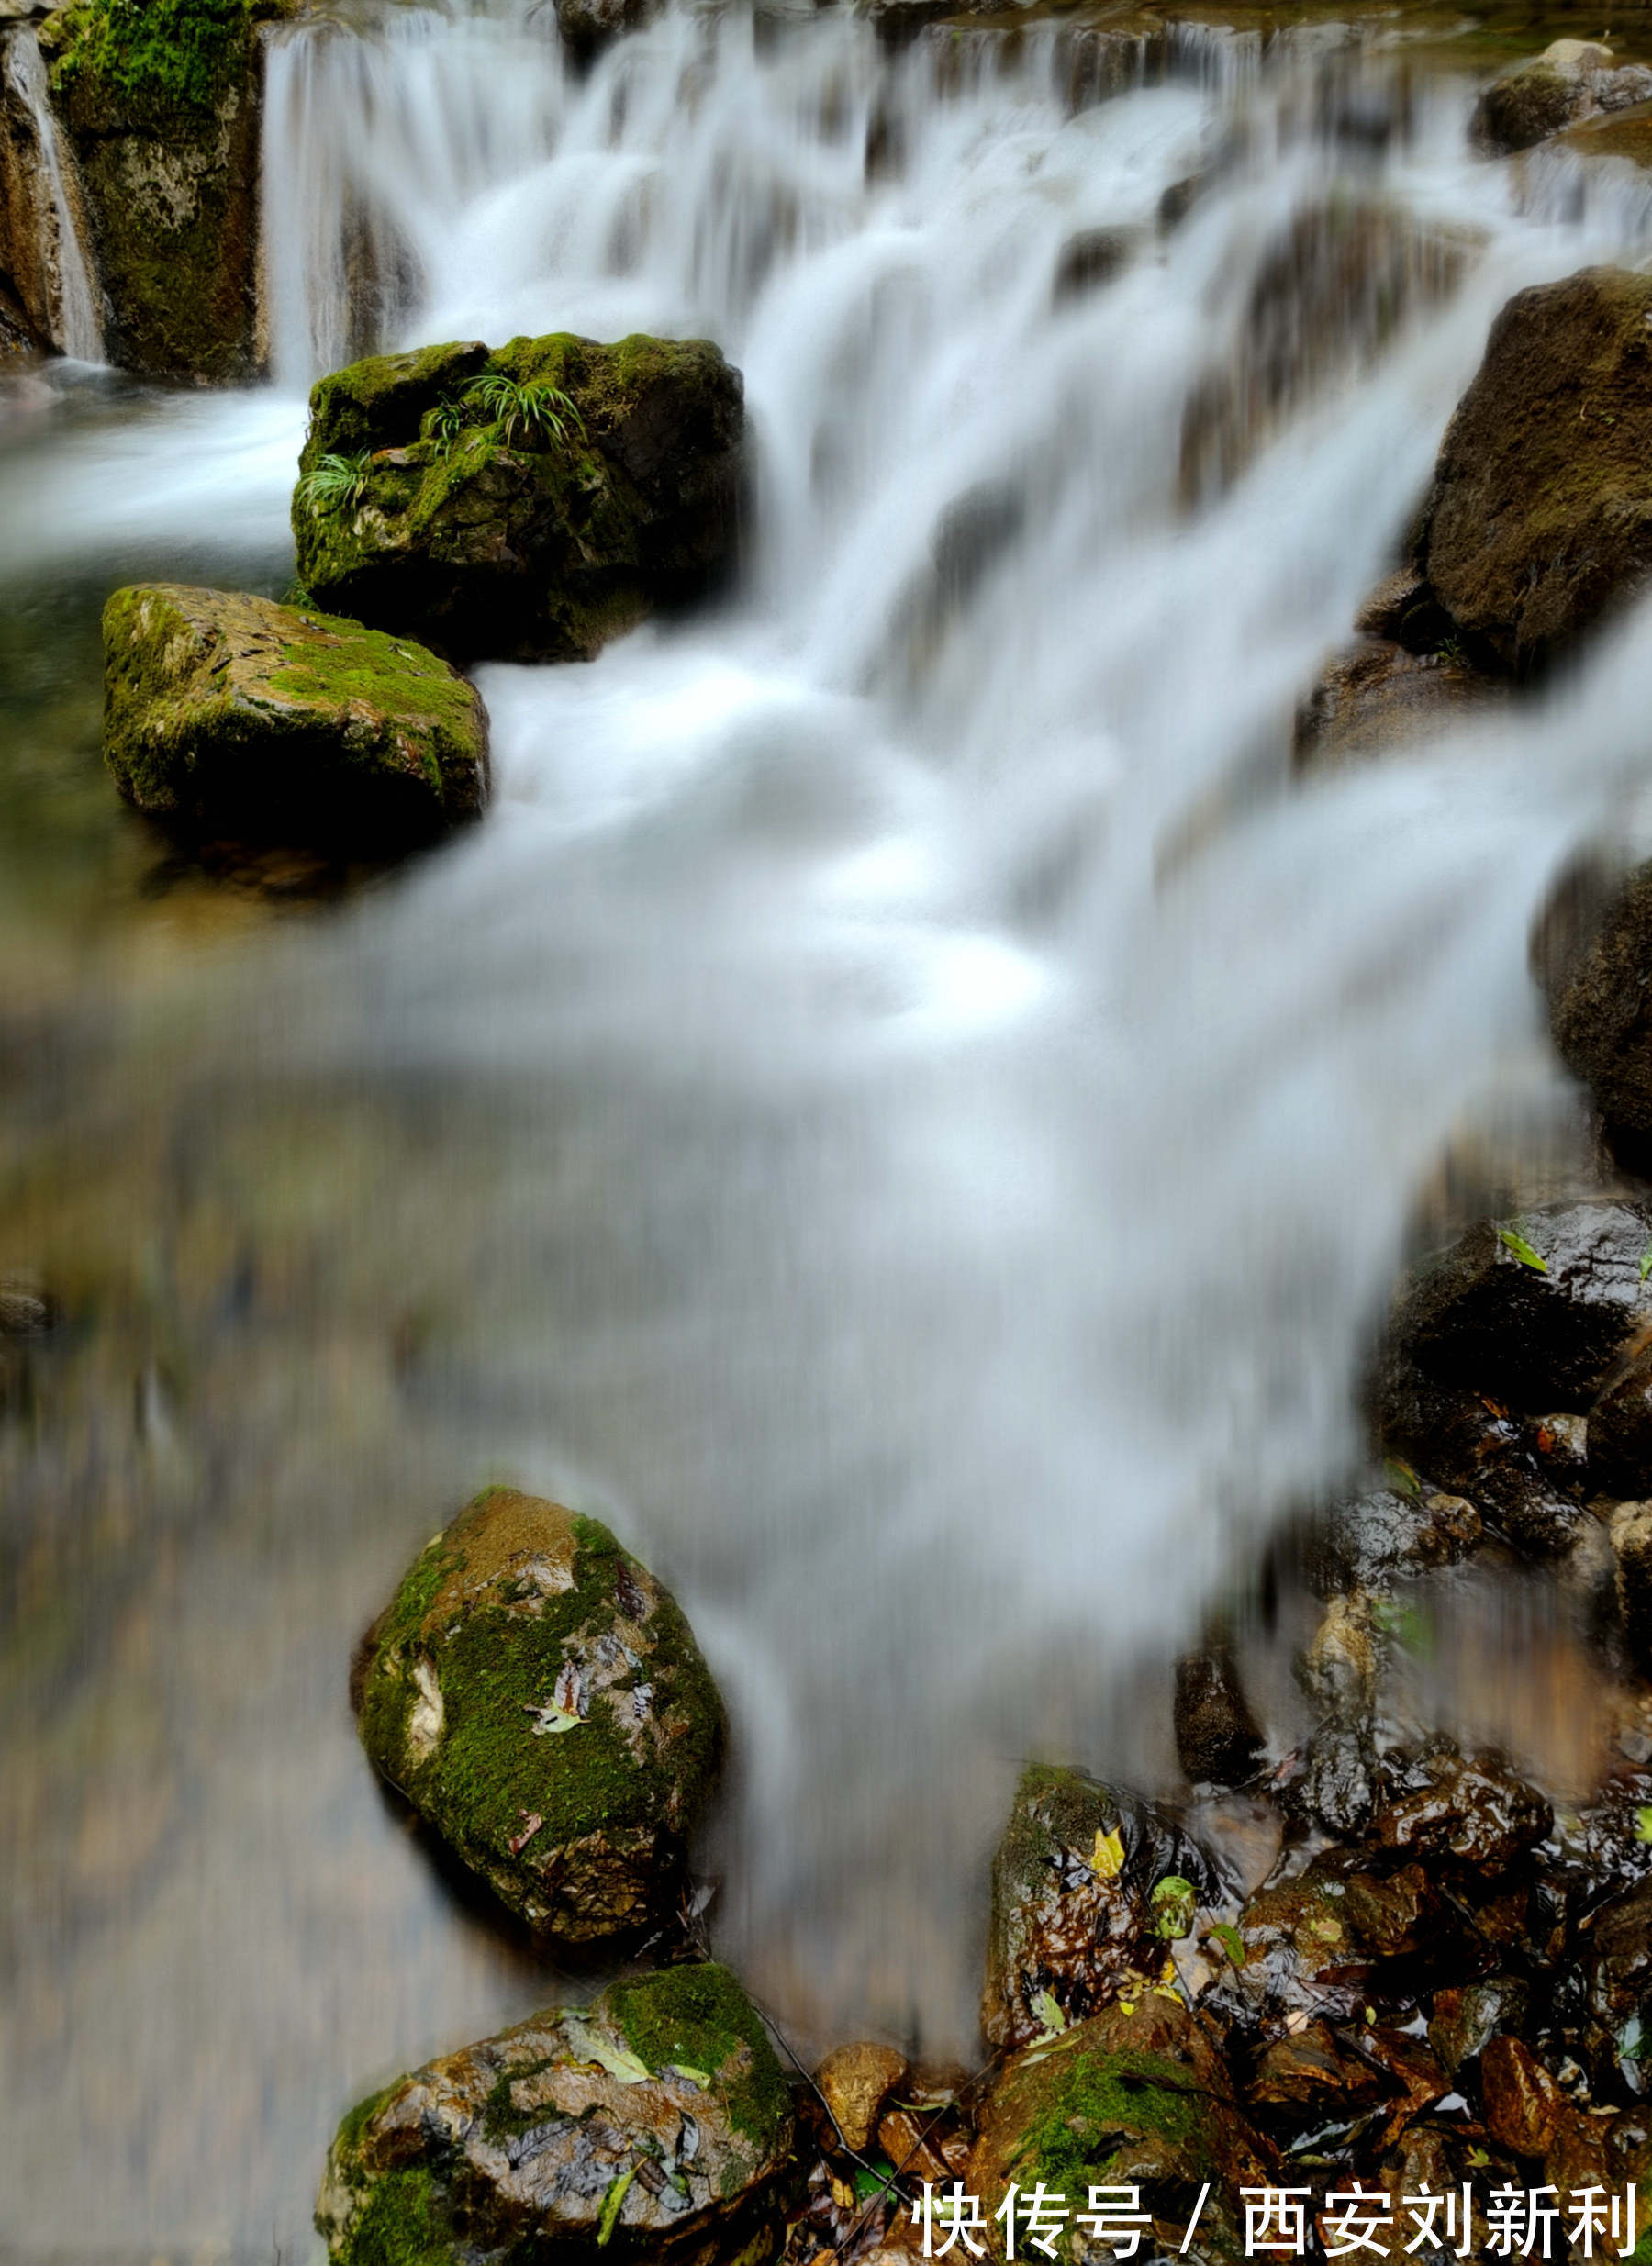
point(1539, 521)
point(540, 1699)
point(655, 2123)
point(160, 100)
point(226, 715)
point(1137, 2097)
point(524, 504)
point(1572, 78)
point(1090, 1887)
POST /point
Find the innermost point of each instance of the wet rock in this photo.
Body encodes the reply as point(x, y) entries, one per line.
point(1216, 1735)
point(655, 2122)
point(1522, 2101)
point(1618, 1964)
point(1470, 1808)
point(26, 1311)
point(1620, 1432)
point(1136, 2097)
point(1377, 697)
point(1094, 257)
point(1539, 525)
point(1368, 1541)
point(539, 1700)
point(855, 2082)
point(231, 715)
point(588, 26)
point(1301, 1953)
point(1404, 610)
point(1074, 1917)
point(1601, 1013)
point(1466, 2018)
point(1332, 292)
point(1625, 134)
point(1540, 1521)
point(1309, 2075)
point(1572, 78)
point(163, 120)
point(30, 255)
point(1632, 1547)
point(1336, 1783)
point(525, 505)
point(1533, 1312)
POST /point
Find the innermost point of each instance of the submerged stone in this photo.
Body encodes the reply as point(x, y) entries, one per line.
point(226, 714)
point(525, 505)
point(1091, 1886)
point(654, 2124)
point(538, 1697)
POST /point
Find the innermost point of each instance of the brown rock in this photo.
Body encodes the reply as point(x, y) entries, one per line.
point(1539, 522)
point(1522, 2100)
point(1473, 1808)
point(1377, 697)
point(855, 2082)
point(1216, 1734)
point(1572, 78)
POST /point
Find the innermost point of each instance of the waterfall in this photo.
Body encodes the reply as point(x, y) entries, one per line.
point(76, 328)
point(907, 1105)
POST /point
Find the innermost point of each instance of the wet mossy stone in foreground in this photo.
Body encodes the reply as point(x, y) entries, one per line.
point(539, 1700)
point(231, 715)
point(655, 2123)
point(1136, 2097)
point(527, 504)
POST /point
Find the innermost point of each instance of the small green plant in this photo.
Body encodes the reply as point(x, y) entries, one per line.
point(444, 424)
point(1513, 1240)
point(335, 483)
point(535, 407)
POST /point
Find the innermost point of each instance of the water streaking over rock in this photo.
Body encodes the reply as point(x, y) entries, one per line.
point(920, 1109)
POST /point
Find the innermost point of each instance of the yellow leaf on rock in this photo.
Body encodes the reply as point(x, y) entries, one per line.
point(1107, 1858)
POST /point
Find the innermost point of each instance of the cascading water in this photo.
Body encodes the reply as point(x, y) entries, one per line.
point(76, 328)
point(923, 1109)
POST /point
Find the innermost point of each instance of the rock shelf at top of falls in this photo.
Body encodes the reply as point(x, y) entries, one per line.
point(527, 504)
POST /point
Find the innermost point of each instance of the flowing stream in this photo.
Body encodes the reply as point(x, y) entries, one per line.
point(905, 1105)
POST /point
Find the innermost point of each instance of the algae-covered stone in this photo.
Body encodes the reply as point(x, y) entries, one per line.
point(1080, 1906)
point(524, 504)
point(655, 2123)
point(161, 103)
point(540, 1699)
point(1136, 2097)
point(232, 715)
point(1572, 78)
point(1539, 522)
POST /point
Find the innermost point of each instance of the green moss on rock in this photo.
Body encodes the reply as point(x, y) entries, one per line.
point(518, 2143)
point(1539, 523)
point(699, 2019)
point(160, 100)
point(232, 715)
point(540, 1701)
point(524, 542)
point(1136, 2097)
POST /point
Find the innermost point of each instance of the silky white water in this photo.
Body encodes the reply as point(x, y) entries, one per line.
point(76, 328)
point(956, 1101)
